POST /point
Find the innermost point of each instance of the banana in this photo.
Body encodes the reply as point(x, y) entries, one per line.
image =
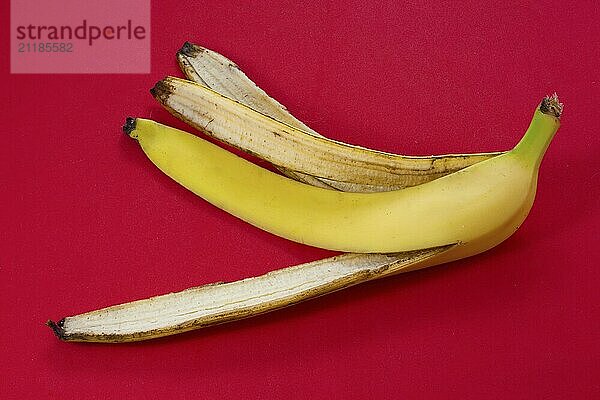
point(332, 163)
point(222, 302)
point(217, 303)
point(477, 206)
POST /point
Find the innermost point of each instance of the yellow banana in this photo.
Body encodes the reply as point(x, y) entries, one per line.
point(332, 163)
point(217, 303)
point(478, 206)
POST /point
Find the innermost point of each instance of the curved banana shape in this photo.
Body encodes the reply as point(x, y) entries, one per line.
point(478, 207)
point(336, 164)
point(504, 185)
point(222, 302)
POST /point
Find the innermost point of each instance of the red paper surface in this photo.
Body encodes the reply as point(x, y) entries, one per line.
point(87, 221)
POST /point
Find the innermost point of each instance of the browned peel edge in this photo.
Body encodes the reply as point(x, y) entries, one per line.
point(214, 320)
point(162, 90)
point(170, 87)
point(190, 49)
point(185, 66)
point(409, 260)
point(57, 328)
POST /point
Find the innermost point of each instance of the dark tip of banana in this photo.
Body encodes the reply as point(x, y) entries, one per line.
point(551, 106)
point(189, 49)
point(129, 126)
point(57, 328)
point(161, 91)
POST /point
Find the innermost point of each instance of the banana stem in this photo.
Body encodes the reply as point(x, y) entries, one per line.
point(541, 131)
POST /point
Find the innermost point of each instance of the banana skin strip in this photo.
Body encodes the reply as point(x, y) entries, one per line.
point(218, 303)
point(214, 71)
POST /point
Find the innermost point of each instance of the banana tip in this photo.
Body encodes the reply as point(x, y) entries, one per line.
point(129, 127)
point(190, 50)
point(552, 106)
point(57, 328)
point(161, 91)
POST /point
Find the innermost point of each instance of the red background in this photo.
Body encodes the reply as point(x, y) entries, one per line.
point(87, 221)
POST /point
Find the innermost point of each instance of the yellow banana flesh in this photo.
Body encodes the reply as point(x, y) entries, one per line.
point(478, 206)
point(339, 165)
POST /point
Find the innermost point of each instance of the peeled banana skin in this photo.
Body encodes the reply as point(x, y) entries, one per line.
point(214, 71)
point(218, 303)
point(211, 304)
point(222, 75)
